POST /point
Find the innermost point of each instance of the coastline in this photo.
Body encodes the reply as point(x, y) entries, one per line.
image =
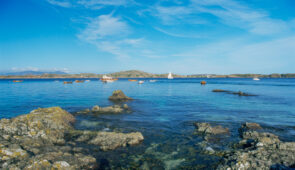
point(141, 74)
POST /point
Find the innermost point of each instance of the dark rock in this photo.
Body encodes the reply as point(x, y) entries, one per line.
point(219, 90)
point(118, 95)
point(239, 93)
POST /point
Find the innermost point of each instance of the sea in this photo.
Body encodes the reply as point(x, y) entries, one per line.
point(164, 112)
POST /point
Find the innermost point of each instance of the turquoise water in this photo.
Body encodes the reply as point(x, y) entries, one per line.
point(163, 111)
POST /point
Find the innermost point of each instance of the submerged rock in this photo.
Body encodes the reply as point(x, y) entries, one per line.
point(114, 109)
point(249, 127)
point(211, 134)
point(113, 140)
point(118, 95)
point(158, 159)
point(260, 150)
point(206, 128)
point(108, 140)
point(110, 109)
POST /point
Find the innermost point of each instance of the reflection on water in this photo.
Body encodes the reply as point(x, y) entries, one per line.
point(164, 112)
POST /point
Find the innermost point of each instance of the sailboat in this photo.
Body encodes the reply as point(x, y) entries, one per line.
point(170, 75)
point(256, 79)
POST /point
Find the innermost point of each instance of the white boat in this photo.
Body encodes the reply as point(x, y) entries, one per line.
point(140, 82)
point(152, 81)
point(107, 79)
point(256, 79)
point(87, 80)
point(170, 75)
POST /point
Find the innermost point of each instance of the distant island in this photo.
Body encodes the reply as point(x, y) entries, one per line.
point(134, 74)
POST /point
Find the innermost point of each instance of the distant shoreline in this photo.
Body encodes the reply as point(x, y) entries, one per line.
point(140, 74)
point(85, 78)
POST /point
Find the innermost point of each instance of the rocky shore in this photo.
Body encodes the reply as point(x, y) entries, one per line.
point(46, 139)
point(257, 149)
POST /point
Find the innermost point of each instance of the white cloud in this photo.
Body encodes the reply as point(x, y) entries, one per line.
point(91, 4)
point(17, 69)
point(63, 3)
point(96, 4)
point(170, 15)
point(110, 34)
point(104, 26)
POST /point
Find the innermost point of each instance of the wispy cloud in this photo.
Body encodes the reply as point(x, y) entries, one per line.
point(179, 35)
point(109, 34)
point(97, 4)
point(90, 4)
point(237, 14)
point(17, 69)
point(229, 12)
point(62, 3)
point(104, 26)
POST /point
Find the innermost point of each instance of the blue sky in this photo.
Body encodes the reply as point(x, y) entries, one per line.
point(185, 37)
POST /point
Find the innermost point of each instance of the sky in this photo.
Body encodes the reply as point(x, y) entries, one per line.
point(157, 36)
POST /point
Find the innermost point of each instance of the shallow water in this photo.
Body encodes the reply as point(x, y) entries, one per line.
point(163, 111)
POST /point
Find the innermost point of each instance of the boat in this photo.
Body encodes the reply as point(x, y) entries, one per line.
point(87, 80)
point(107, 79)
point(17, 81)
point(79, 81)
point(141, 82)
point(132, 80)
point(68, 82)
point(203, 82)
point(256, 79)
point(152, 81)
point(170, 75)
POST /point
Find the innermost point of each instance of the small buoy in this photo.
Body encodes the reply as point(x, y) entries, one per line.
point(203, 82)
